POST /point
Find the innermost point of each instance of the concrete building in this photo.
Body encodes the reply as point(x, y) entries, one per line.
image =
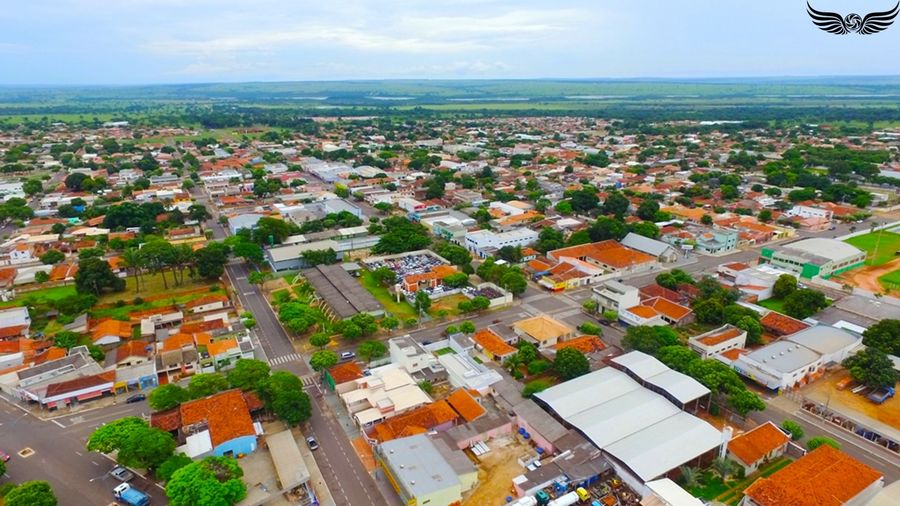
point(387, 391)
point(485, 243)
point(722, 339)
point(615, 296)
point(543, 331)
point(425, 471)
point(815, 257)
point(716, 242)
point(662, 251)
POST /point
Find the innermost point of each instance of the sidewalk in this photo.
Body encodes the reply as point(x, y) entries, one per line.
point(315, 474)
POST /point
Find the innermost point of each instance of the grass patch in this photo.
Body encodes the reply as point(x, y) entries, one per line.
point(887, 246)
point(773, 304)
point(152, 284)
point(450, 304)
point(400, 310)
point(122, 312)
point(891, 280)
point(712, 487)
point(444, 351)
point(42, 296)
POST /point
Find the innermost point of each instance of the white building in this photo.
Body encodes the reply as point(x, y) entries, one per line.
point(410, 355)
point(722, 339)
point(483, 242)
point(386, 392)
point(781, 365)
point(615, 296)
point(810, 212)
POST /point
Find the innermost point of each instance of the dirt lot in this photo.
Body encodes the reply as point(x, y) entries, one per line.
point(867, 277)
point(496, 471)
point(824, 390)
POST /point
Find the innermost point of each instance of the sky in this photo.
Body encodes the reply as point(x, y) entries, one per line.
point(77, 42)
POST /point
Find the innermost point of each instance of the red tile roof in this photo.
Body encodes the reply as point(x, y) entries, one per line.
point(584, 344)
point(225, 413)
point(464, 404)
point(781, 324)
point(492, 343)
point(824, 477)
point(73, 385)
point(347, 371)
point(752, 446)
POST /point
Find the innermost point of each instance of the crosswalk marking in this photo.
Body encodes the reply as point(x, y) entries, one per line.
point(291, 357)
point(308, 380)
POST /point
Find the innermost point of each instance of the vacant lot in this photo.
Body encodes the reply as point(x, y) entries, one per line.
point(875, 278)
point(825, 391)
point(496, 471)
point(41, 296)
point(400, 309)
point(880, 247)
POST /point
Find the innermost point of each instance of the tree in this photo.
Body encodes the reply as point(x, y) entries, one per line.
point(649, 339)
point(549, 239)
point(95, 276)
point(371, 350)
point(872, 367)
point(75, 181)
point(166, 397)
point(385, 276)
point(165, 470)
point(401, 235)
point(319, 339)
point(590, 329)
point(570, 363)
point(515, 282)
point(259, 277)
point(271, 231)
point(590, 306)
point(211, 260)
point(31, 493)
point(456, 255)
point(785, 285)
point(66, 339)
point(744, 401)
point(426, 386)
point(647, 210)
point(610, 315)
point(706, 220)
point(564, 207)
point(709, 311)
point(52, 257)
point(248, 373)
point(804, 303)
point(673, 278)
point(32, 187)
point(533, 387)
point(283, 394)
point(41, 277)
point(885, 336)
point(422, 302)
point(765, 216)
point(456, 280)
point(467, 327)
point(322, 360)
point(206, 384)
point(249, 251)
point(616, 204)
point(723, 467)
point(213, 481)
point(752, 327)
point(794, 429)
point(198, 212)
point(690, 477)
point(137, 444)
point(677, 357)
point(818, 441)
point(390, 323)
point(320, 257)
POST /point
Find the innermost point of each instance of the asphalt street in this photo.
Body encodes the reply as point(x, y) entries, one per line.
point(78, 477)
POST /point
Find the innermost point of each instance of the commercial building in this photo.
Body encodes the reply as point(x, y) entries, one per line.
point(344, 296)
point(662, 251)
point(815, 257)
point(644, 435)
point(485, 243)
point(722, 339)
point(425, 471)
point(615, 296)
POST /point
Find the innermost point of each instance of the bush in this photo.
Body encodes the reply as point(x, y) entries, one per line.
point(538, 366)
point(137, 301)
point(794, 429)
point(818, 441)
point(533, 387)
point(590, 329)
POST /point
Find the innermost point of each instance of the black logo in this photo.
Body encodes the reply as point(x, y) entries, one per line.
point(832, 22)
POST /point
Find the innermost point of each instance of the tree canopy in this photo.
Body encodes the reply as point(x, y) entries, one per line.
point(213, 481)
point(137, 444)
point(570, 363)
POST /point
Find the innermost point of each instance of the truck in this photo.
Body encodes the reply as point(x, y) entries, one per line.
point(880, 395)
point(125, 493)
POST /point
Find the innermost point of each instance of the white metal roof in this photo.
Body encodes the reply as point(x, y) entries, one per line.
point(665, 445)
point(611, 421)
point(641, 364)
point(584, 392)
point(824, 339)
point(680, 386)
point(671, 494)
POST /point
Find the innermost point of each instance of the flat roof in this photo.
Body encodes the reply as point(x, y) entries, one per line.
point(824, 339)
point(288, 461)
point(784, 356)
point(293, 251)
point(341, 291)
point(824, 247)
point(418, 466)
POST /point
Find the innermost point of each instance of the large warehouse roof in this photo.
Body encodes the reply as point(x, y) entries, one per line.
point(680, 386)
point(824, 339)
point(637, 426)
point(341, 291)
point(824, 247)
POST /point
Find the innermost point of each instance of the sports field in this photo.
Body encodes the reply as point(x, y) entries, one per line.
point(879, 250)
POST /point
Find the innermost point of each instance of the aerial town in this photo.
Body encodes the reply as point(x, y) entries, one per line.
point(524, 311)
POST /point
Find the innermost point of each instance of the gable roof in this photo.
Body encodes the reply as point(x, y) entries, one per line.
point(344, 372)
point(543, 327)
point(751, 446)
point(781, 324)
point(492, 343)
point(466, 405)
point(823, 477)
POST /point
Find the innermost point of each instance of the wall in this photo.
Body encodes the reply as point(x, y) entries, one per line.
point(503, 430)
point(239, 445)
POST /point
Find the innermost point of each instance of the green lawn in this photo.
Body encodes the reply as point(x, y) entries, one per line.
point(152, 284)
point(40, 296)
point(449, 303)
point(712, 487)
point(122, 312)
point(444, 351)
point(401, 310)
point(891, 280)
point(887, 246)
point(773, 304)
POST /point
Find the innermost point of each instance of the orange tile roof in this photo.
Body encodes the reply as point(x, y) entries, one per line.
point(225, 413)
point(733, 354)
point(823, 477)
point(13, 331)
point(203, 326)
point(668, 308)
point(784, 325)
point(584, 344)
point(135, 348)
point(492, 343)
point(609, 252)
point(752, 446)
point(347, 371)
point(720, 337)
point(464, 404)
point(221, 347)
point(178, 341)
point(439, 272)
point(140, 315)
point(112, 328)
point(417, 421)
point(643, 311)
point(538, 266)
point(207, 299)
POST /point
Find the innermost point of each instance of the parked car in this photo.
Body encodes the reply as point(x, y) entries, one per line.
point(4, 456)
point(312, 443)
point(122, 474)
point(135, 398)
point(347, 355)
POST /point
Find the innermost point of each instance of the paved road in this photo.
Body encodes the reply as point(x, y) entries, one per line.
point(78, 477)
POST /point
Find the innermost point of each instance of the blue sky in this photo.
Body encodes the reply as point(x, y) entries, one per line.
point(175, 41)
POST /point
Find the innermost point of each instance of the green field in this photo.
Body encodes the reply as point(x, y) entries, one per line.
point(401, 310)
point(40, 296)
point(773, 304)
point(887, 244)
point(891, 280)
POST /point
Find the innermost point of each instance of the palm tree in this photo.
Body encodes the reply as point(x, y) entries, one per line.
point(690, 476)
point(134, 263)
point(723, 467)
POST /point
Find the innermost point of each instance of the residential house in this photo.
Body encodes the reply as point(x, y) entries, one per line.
point(757, 446)
point(720, 340)
point(493, 346)
point(543, 331)
point(109, 332)
point(386, 392)
point(615, 296)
